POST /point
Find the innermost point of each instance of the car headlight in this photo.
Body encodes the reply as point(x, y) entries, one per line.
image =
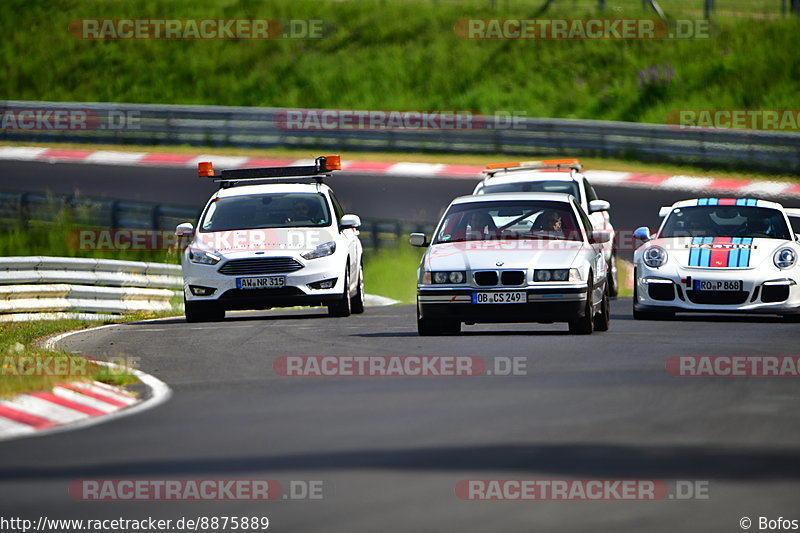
point(655, 256)
point(445, 277)
point(785, 258)
point(322, 250)
point(203, 257)
point(559, 274)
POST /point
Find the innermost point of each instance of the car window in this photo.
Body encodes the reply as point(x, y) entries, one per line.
point(337, 207)
point(257, 211)
point(567, 187)
point(591, 195)
point(726, 221)
point(585, 220)
point(508, 219)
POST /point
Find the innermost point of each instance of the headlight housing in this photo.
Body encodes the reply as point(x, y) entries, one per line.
point(322, 250)
point(654, 256)
point(785, 258)
point(447, 276)
point(558, 274)
point(203, 257)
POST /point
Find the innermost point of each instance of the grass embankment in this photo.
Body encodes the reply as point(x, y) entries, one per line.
point(401, 55)
point(24, 366)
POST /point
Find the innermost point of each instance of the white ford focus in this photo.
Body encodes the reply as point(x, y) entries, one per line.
point(262, 242)
point(719, 255)
point(513, 257)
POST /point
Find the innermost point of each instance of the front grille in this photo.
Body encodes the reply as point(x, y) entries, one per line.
point(486, 279)
point(717, 297)
point(774, 293)
point(235, 294)
point(260, 265)
point(513, 277)
point(661, 291)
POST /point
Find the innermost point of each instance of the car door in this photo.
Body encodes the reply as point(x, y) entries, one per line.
point(350, 236)
point(599, 265)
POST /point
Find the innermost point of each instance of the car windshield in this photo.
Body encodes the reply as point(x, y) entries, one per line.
point(483, 221)
point(257, 211)
point(726, 221)
point(567, 187)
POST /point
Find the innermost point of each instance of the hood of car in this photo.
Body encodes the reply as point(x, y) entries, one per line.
point(271, 241)
point(720, 252)
point(480, 255)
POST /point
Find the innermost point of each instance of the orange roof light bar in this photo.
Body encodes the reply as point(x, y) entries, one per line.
point(205, 169)
point(546, 163)
point(333, 162)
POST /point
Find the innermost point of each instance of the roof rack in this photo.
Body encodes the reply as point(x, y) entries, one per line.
point(573, 164)
point(323, 166)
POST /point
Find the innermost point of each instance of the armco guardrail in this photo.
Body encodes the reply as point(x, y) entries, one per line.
point(29, 209)
point(46, 287)
point(263, 127)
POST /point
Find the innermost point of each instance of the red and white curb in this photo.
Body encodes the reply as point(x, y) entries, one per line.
point(77, 404)
point(418, 170)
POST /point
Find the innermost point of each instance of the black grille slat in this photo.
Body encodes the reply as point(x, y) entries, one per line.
point(260, 265)
point(774, 293)
point(718, 297)
point(513, 277)
point(661, 291)
point(486, 279)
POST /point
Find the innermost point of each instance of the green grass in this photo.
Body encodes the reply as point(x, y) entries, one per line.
point(392, 272)
point(20, 355)
point(396, 54)
point(56, 235)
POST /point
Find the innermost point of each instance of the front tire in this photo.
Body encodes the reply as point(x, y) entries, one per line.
point(613, 281)
point(585, 324)
point(357, 301)
point(427, 327)
point(602, 321)
point(202, 312)
point(342, 307)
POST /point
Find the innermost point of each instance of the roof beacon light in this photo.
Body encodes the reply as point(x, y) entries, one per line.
point(333, 162)
point(546, 163)
point(205, 169)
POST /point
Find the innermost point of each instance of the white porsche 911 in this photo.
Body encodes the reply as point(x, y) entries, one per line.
point(513, 257)
point(719, 255)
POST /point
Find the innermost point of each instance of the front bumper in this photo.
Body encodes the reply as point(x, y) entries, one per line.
point(660, 291)
point(295, 292)
point(545, 305)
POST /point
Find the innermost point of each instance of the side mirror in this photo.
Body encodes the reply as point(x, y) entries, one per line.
point(418, 239)
point(599, 237)
point(184, 229)
point(350, 221)
point(599, 205)
point(642, 233)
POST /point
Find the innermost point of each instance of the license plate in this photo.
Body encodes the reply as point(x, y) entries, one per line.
point(700, 285)
point(270, 282)
point(517, 297)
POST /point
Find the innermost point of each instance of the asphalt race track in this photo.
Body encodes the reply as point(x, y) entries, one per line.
point(389, 451)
